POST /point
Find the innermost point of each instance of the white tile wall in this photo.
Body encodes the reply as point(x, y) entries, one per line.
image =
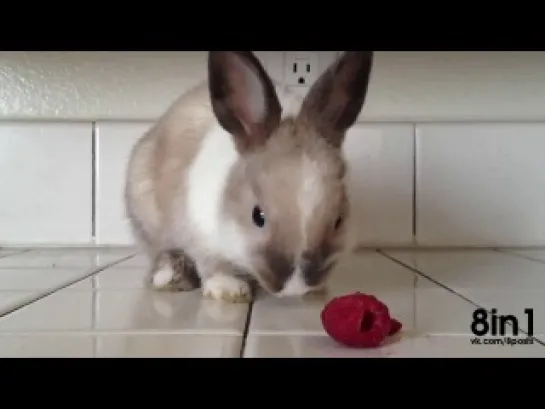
point(95, 85)
point(481, 184)
point(380, 159)
point(114, 143)
point(476, 183)
point(45, 183)
point(381, 177)
point(407, 86)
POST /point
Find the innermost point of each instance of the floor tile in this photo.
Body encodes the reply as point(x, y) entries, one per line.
point(80, 308)
point(64, 310)
point(440, 312)
point(36, 273)
point(272, 316)
point(139, 260)
point(423, 307)
point(472, 269)
point(124, 303)
point(17, 291)
point(85, 284)
point(113, 314)
point(4, 252)
point(315, 346)
point(61, 345)
point(118, 278)
point(532, 254)
point(13, 299)
point(46, 346)
point(169, 346)
point(63, 258)
point(22, 279)
point(488, 278)
point(369, 273)
point(145, 310)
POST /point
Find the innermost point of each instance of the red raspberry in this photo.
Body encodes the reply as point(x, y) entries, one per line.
point(358, 320)
point(395, 326)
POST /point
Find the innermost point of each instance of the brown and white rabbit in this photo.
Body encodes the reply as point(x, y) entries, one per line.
point(239, 178)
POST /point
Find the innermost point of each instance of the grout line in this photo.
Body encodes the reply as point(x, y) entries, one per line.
point(509, 253)
point(423, 248)
point(68, 246)
point(420, 273)
point(362, 119)
point(94, 306)
point(246, 331)
point(15, 253)
point(289, 333)
point(123, 332)
point(415, 303)
point(442, 248)
point(93, 301)
point(414, 183)
point(93, 178)
point(53, 290)
point(450, 290)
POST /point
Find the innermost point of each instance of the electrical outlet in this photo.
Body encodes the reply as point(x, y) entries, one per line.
point(301, 68)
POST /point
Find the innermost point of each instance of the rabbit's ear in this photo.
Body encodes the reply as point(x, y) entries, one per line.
point(243, 97)
point(335, 100)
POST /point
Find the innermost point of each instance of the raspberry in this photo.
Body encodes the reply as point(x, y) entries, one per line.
point(395, 326)
point(358, 320)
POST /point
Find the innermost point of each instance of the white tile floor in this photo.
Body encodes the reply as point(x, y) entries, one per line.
point(92, 303)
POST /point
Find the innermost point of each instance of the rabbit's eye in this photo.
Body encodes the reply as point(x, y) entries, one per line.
point(258, 217)
point(338, 223)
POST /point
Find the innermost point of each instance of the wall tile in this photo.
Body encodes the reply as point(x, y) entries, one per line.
point(114, 143)
point(45, 183)
point(405, 86)
point(481, 184)
point(380, 158)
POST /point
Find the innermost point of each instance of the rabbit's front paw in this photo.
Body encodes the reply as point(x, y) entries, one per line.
point(227, 288)
point(166, 279)
point(175, 271)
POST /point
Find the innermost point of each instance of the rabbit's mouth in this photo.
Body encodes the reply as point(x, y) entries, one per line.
point(305, 279)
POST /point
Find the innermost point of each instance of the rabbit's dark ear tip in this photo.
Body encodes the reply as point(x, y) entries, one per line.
point(234, 104)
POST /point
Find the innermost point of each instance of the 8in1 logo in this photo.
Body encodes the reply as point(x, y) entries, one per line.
point(496, 327)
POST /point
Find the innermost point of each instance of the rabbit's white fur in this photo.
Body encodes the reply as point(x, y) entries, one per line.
point(207, 181)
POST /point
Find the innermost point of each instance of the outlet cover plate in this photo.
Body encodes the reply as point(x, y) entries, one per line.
point(302, 68)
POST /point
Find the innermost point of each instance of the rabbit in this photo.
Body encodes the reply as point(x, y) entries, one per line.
point(241, 181)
